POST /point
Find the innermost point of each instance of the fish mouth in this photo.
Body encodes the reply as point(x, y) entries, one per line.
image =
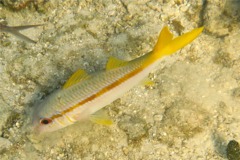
point(34, 128)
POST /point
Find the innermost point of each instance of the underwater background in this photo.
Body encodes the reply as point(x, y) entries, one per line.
point(190, 112)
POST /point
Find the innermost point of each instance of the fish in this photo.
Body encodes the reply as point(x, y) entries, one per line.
point(15, 31)
point(84, 95)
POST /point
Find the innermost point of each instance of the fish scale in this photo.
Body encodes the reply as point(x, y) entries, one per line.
point(91, 86)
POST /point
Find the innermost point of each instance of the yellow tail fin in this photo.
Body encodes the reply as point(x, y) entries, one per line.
point(166, 45)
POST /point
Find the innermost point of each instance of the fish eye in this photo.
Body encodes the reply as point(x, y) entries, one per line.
point(45, 121)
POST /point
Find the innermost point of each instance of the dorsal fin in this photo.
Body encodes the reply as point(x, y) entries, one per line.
point(78, 76)
point(115, 63)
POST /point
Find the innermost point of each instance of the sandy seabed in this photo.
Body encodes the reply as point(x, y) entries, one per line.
point(191, 112)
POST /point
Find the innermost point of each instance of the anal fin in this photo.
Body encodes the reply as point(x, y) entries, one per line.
point(101, 117)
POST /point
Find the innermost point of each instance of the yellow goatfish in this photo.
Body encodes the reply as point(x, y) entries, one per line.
point(84, 94)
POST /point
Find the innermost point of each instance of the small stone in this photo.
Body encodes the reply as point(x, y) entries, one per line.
point(233, 150)
point(236, 92)
point(17, 124)
point(223, 58)
point(134, 127)
point(157, 118)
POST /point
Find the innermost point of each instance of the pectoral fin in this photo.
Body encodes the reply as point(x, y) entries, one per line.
point(147, 82)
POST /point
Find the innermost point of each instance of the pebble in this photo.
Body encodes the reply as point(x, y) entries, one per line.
point(233, 150)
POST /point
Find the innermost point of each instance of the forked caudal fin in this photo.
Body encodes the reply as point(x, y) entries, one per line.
point(166, 45)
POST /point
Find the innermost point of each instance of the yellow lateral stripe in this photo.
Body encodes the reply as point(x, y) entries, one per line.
point(101, 92)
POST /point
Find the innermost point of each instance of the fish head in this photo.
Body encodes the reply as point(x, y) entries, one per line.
point(42, 117)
